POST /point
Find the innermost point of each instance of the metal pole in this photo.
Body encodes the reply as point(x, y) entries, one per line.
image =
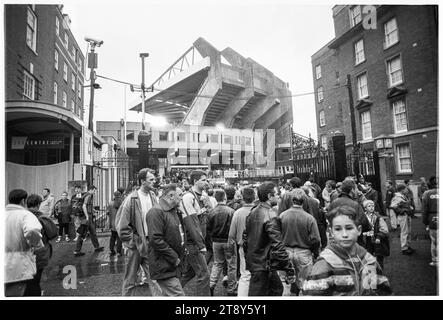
point(91, 99)
point(124, 121)
point(353, 127)
point(142, 56)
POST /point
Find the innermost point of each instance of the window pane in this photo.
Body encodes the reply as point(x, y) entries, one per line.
point(391, 32)
point(362, 86)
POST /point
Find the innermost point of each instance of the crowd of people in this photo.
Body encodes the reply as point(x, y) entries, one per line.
point(262, 240)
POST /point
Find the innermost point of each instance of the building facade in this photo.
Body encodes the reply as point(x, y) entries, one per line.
point(391, 56)
point(47, 143)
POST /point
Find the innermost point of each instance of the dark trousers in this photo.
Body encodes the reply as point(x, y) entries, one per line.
point(265, 283)
point(324, 238)
point(63, 226)
point(196, 266)
point(115, 238)
point(90, 226)
point(380, 260)
point(33, 288)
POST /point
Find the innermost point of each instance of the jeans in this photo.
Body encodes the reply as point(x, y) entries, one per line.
point(90, 226)
point(265, 283)
point(33, 288)
point(224, 253)
point(393, 218)
point(171, 287)
point(245, 275)
point(302, 261)
point(405, 231)
point(434, 245)
point(115, 238)
point(135, 261)
point(63, 226)
point(196, 266)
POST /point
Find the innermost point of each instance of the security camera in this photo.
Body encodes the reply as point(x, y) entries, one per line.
point(97, 42)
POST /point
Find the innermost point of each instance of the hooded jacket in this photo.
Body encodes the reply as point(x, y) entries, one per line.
point(167, 238)
point(23, 233)
point(129, 223)
point(42, 254)
point(335, 273)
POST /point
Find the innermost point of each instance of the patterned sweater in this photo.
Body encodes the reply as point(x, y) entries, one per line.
point(335, 273)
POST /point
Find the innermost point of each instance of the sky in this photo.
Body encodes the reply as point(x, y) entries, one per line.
point(281, 36)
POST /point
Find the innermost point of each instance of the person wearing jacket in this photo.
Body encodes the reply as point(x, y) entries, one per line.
point(47, 205)
point(219, 222)
point(301, 238)
point(318, 214)
point(43, 254)
point(194, 217)
point(22, 237)
point(346, 198)
point(62, 211)
point(132, 229)
point(166, 241)
point(344, 268)
point(236, 235)
point(400, 203)
point(379, 233)
point(265, 252)
point(111, 211)
point(430, 217)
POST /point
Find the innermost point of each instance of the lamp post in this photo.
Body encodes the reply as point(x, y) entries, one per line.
point(143, 56)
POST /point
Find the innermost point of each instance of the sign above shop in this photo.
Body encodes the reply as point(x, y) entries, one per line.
point(39, 142)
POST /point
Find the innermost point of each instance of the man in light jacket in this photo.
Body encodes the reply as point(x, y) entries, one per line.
point(47, 205)
point(23, 233)
point(132, 229)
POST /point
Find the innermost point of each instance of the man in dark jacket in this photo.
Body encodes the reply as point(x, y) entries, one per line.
point(166, 241)
point(219, 222)
point(430, 217)
point(42, 254)
point(265, 252)
point(372, 194)
point(346, 198)
point(111, 211)
point(319, 216)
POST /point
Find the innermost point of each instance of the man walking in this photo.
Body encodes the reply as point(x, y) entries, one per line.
point(430, 217)
point(403, 209)
point(166, 241)
point(265, 253)
point(23, 236)
point(194, 216)
point(219, 222)
point(132, 229)
point(236, 235)
point(87, 224)
point(301, 238)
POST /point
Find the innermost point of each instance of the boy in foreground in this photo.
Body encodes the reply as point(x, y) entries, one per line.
point(345, 268)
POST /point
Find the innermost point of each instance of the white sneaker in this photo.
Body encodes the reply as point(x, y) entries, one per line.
point(58, 239)
point(433, 264)
point(67, 239)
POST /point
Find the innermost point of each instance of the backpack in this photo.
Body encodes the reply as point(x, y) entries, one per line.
point(77, 204)
point(49, 229)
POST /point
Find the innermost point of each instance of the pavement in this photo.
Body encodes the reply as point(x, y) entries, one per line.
point(99, 274)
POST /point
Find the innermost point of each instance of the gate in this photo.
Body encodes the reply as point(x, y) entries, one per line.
point(364, 162)
point(310, 159)
point(118, 171)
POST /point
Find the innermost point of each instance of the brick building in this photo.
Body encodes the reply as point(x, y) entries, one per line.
point(393, 69)
point(46, 140)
